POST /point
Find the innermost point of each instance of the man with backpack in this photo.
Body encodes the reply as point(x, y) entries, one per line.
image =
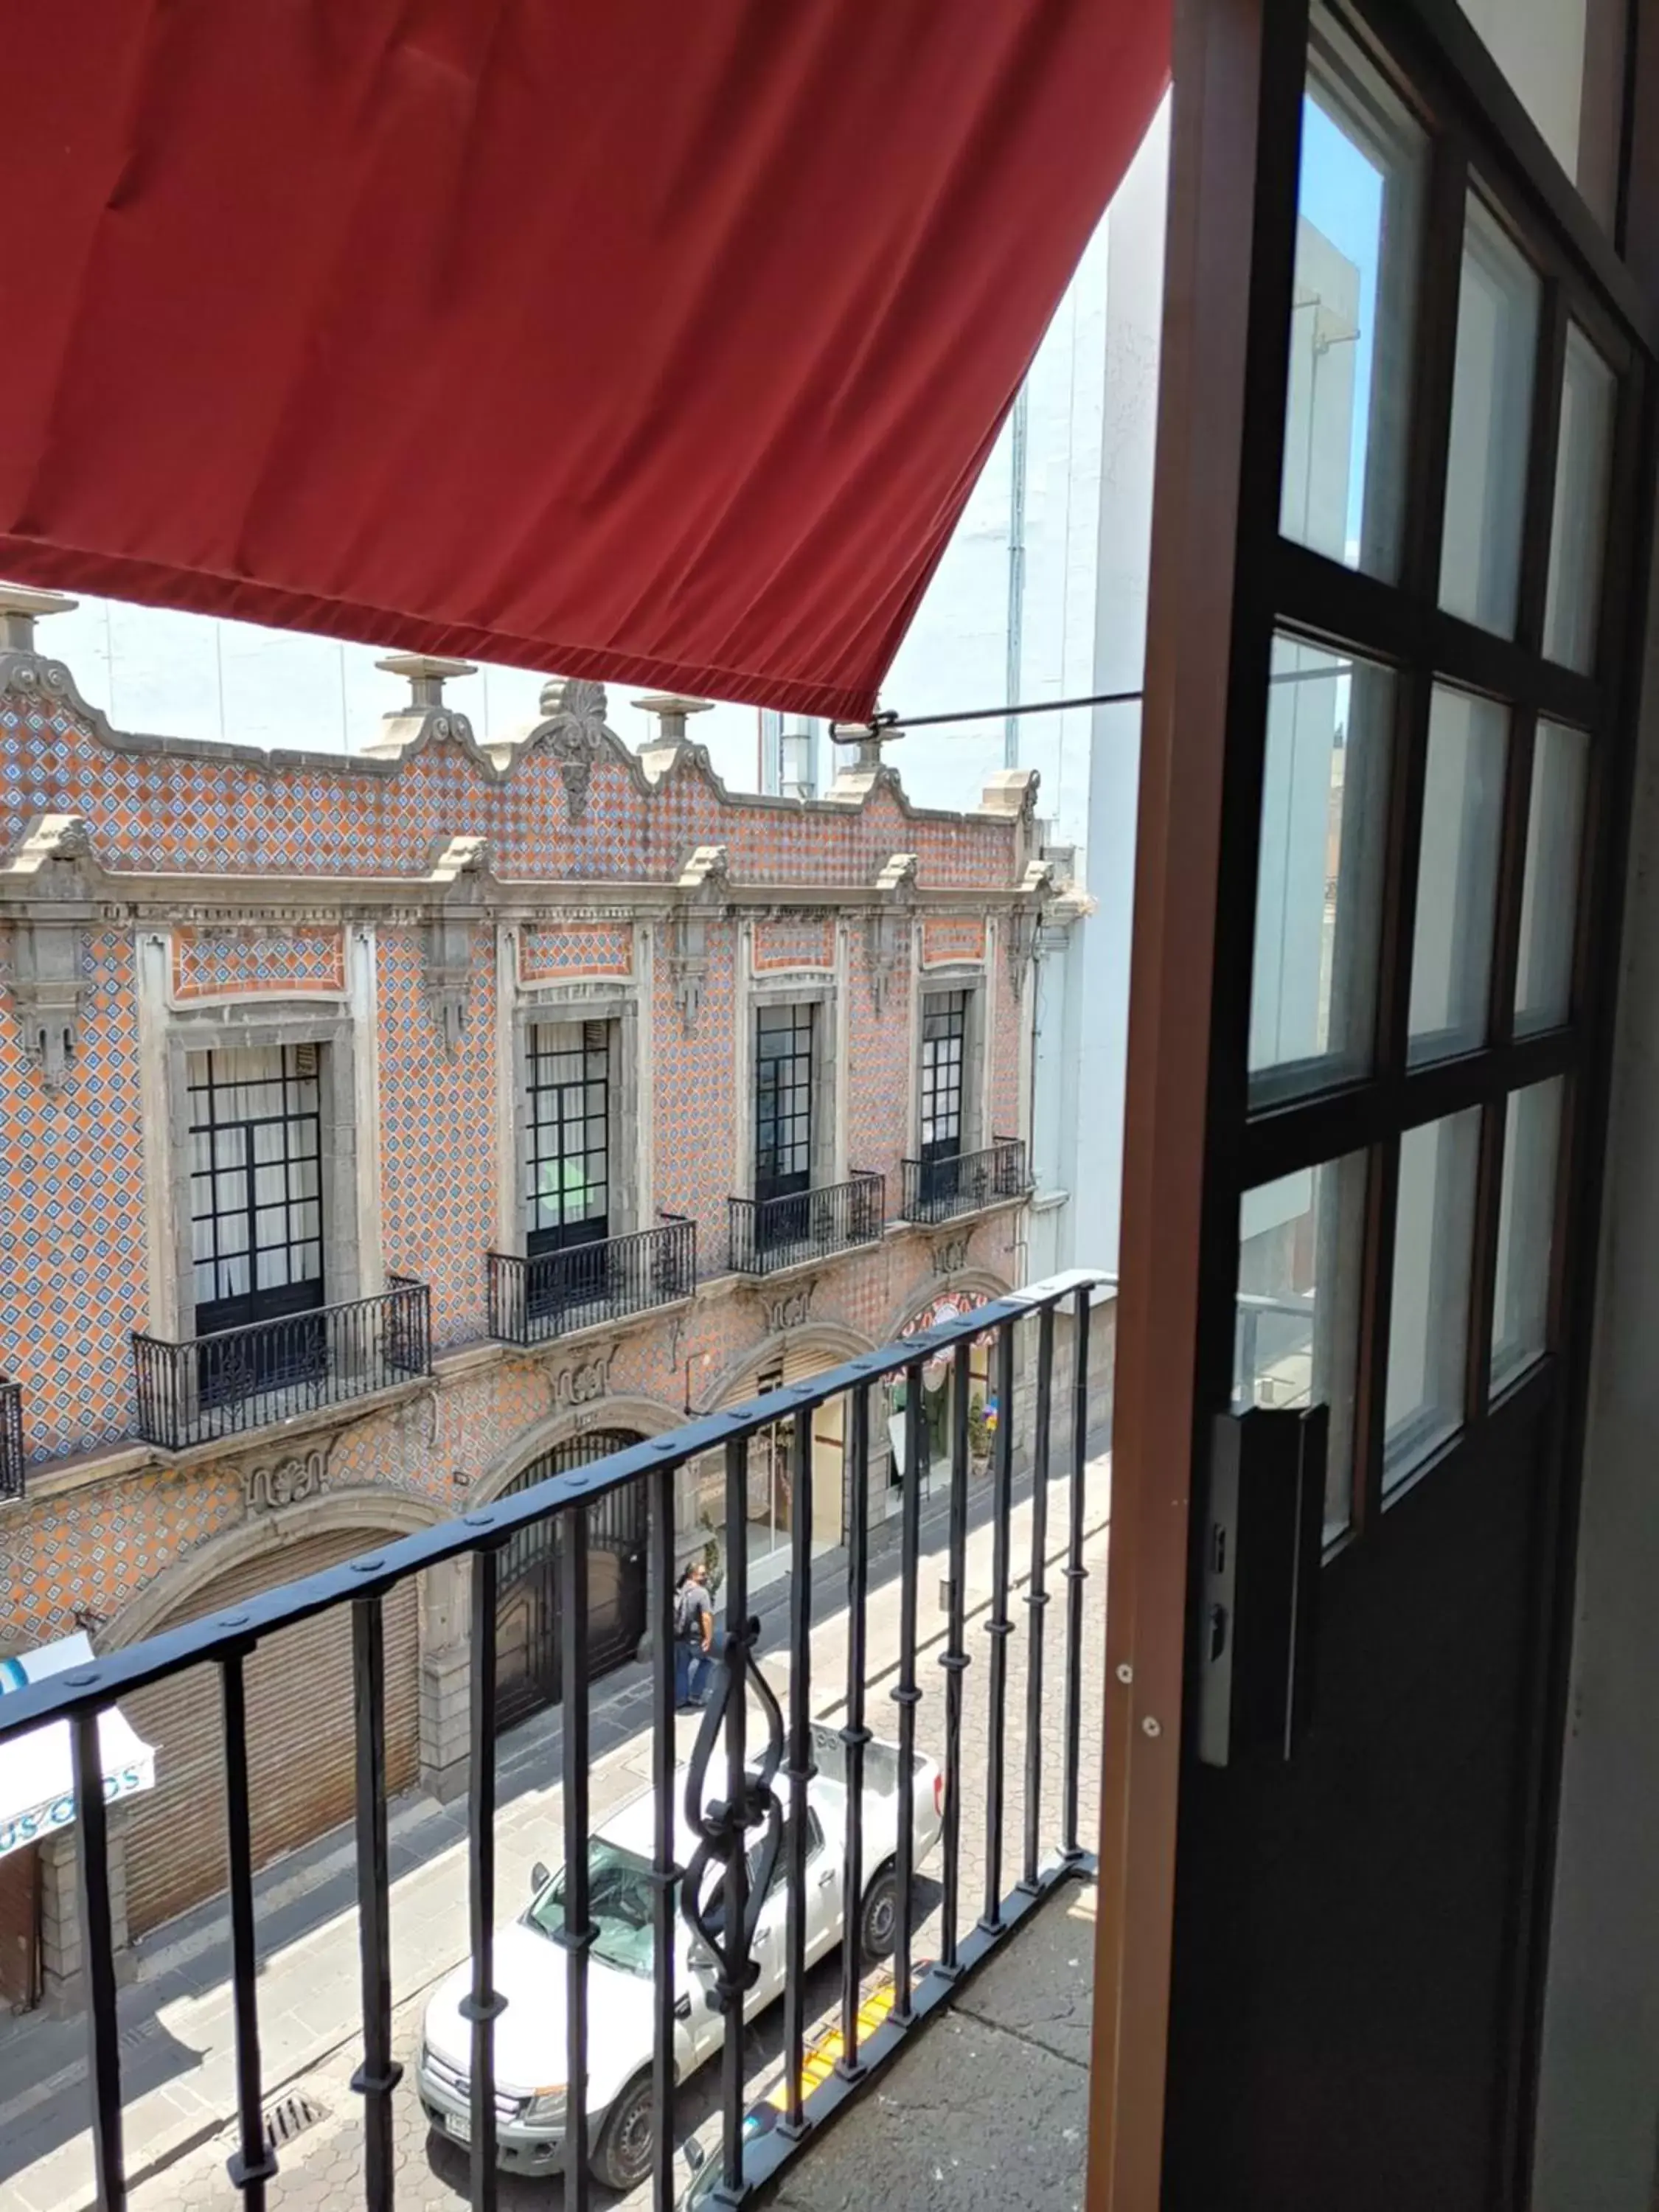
point(694, 1636)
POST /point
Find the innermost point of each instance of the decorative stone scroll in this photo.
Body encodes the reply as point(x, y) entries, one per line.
point(285, 1481)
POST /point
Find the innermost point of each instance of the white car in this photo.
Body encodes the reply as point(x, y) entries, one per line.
point(529, 1969)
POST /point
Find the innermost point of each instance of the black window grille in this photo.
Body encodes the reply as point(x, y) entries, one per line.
point(944, 1035)
point(567, 1136)
point(783, 1042)
point(256, 1203)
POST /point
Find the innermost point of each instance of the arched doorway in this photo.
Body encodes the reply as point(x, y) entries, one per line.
point(529, 1674)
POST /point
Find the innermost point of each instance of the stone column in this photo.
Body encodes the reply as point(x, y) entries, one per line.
point(60, 1914)
point(446, 1679)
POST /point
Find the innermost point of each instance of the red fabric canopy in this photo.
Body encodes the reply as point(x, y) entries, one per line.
point(658, 340)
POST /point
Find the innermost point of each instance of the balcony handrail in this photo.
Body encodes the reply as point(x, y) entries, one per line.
point(964, 1182)
point(11, 1437)
point(396, 1287)
point(835, 1217)
point(197, 1389)
point(657, 1266)
point(779, 1768)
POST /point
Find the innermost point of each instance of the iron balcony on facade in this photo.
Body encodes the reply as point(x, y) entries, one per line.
point(239, 1379)
point(549, 1295)
point(11, 1439)
point(962, 1182)
point(770, 1233)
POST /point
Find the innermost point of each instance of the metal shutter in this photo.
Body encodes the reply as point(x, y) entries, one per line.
point(300, 1732)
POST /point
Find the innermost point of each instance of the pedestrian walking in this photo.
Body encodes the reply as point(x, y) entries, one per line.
point(694, 1636)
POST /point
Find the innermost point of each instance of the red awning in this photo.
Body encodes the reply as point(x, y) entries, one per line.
point(658, 340)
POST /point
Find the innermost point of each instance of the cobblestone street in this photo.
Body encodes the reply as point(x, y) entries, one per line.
point(322, 2167)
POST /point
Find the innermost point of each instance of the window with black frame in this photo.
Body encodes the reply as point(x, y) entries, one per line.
point(944, 1047)
point(785, 1038)
point(256, 1217)
point(567, 1162)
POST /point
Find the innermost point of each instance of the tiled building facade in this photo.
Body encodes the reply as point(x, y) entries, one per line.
point(395, 943)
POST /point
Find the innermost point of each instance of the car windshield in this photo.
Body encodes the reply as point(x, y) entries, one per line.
point(619, 1905)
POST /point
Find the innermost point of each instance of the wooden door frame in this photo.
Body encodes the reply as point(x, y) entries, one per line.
point(1230, 244)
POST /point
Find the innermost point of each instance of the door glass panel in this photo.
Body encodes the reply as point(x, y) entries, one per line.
point(1526, 1230)
point(1300, 1249)
point(1324, 799)
point(1457, 875)
point(1572, 604)
point(1549, 888)
point(1429, 1308)
point(1497, 306)
point(1357, 239)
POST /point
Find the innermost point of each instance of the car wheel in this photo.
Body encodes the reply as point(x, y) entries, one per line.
point(878, 1917)
point(628, 2143)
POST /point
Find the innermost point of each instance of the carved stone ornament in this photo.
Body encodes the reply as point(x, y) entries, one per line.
point(791, 1308)
point(285, 1481)
point(1026, 920)
point(458, 868)
point(49, 982)
point(888, 928)
point(581, 1381)
point(701, 885)
point(573, 732)
point(951, 1253)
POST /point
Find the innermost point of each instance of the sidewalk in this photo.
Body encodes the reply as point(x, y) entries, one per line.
point(177, 2039)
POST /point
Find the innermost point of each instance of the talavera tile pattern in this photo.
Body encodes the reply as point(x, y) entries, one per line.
point(210, 963)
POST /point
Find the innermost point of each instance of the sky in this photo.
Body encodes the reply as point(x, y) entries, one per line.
point(1341, 195)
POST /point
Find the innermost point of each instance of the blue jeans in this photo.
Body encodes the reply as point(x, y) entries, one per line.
point(690, 1672)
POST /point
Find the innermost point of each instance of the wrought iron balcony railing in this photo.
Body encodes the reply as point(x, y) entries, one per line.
point(11, 1438)
point(1004, 1809)
point(207, 1386)
point(765, 1234)
point(531, 1300)
point(934, 1190)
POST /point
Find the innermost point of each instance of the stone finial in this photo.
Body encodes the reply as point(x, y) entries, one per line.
point(426, 677)
point(20, 608)
point(671, 710)
point(423, 713)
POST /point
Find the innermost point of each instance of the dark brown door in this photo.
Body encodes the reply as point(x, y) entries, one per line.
point(529, 1667)
point(19, 1928)
point(1418, 532)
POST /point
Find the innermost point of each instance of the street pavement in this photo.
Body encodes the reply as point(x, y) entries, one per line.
point(181, 2128)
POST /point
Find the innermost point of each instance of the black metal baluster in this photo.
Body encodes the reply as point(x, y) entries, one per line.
point(664, 1871)
point(906, 1695)
point(576, 1935)
point(1036, 1599)
point(955, 1660)
point(378, 2074)
point(483, 2007)
point(998, 1626)
point(255, 2161)
point(855, 1735)
point(1076, 1575)
point(800, 1769)
point(734, 1980)
point(97, 1962)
